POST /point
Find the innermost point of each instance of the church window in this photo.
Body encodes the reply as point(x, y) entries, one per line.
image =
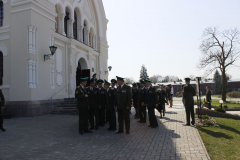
point(1, 13)
point(75, 26)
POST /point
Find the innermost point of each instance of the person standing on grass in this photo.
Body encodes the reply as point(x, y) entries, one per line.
point(208, 97)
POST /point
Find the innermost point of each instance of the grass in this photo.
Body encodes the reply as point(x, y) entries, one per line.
point(219, 96)
point(215, 102)
point(222, 143)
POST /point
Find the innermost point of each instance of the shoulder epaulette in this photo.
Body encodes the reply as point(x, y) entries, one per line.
point(87, 87)
point(111, 88)
point(96, 86)
point(78, 87)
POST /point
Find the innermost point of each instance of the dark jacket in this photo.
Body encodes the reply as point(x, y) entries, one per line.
point(151, 97)
point(161, 96)
point(110, 98)
point(188, 93)
point(82, 101)
point(142, 98)
point(124, 97)
point(135, 96)
point(93, 96)
point(102, 94)
point(2, 102)
point(208, 96)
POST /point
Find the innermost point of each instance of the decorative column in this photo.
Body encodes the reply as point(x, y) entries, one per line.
point(71, 21)
point(34, 40)
point(30, 39)
point(34, 74)
point(30, 63)
point(87, 37)
point(80, 33)
point(62, 16)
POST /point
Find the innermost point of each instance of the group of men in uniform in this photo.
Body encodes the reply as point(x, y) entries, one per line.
point(97, 104)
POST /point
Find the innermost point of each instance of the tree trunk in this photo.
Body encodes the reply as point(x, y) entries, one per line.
point(224, 85)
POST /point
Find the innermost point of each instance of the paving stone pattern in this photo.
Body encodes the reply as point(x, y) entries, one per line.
point(56, 137)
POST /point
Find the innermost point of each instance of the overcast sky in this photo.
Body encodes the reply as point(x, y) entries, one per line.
point(164, 35)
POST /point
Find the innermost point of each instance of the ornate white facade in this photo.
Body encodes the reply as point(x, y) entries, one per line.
point(77, 29)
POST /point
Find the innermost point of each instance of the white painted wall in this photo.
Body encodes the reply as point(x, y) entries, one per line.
point(27, 32)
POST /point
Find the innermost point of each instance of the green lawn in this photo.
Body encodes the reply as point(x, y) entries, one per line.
point(222, 143)
point(215, 102)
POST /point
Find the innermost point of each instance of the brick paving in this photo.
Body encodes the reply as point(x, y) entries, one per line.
point(56, 137)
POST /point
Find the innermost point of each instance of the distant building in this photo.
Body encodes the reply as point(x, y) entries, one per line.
point(233, 85)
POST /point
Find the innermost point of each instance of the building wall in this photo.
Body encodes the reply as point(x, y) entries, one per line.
point(27, 33)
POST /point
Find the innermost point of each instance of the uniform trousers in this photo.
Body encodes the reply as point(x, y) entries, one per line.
point(112, 117)
point(152, 117)
point(102, 115)
point(123, 115)
point(83, 119)
point(1, 118)
point(142, 113)
point(190, 111)
point(93, 113)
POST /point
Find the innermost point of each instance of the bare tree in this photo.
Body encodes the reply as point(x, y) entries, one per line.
point(129, 80)
point(156, 78)
point(220, 51)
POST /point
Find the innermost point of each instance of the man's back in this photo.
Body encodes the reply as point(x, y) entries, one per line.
point(188, 93)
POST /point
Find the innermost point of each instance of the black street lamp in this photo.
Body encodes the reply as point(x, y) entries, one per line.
point(52, 50)
point(110, 68)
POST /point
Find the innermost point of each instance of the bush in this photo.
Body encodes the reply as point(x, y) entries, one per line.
point(205, 116)
point(207, 123)
point(234, 94)
point(225, 106)
point(219, 109)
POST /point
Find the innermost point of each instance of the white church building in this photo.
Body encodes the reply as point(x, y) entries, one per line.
point(29, 75)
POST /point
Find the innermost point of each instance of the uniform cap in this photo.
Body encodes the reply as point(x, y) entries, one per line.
point(94, 74)
point(106, 82)
point(142, 81)
point(113, 81)
point(120, 78)
point(84, 79)
point(134, 84)
point(147, 80)
point(92, 80)
point(99, 81)
point(187, 79)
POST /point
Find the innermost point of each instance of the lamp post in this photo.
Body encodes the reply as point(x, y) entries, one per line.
point(52, 50)
point(110, 68)
point(199, 94)
point(221, 102)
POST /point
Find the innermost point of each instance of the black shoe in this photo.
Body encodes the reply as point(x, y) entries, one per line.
point(3, 129)
point(96, 128)
point(88, 131)
point(186, 124)
point(154, 126)
point(80, 132)
point(109, 128)
point(91, 128)
point(118, 132)
point(102, 125)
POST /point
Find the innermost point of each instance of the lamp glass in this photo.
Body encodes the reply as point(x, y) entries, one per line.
point(221, 101)
point(53, 49)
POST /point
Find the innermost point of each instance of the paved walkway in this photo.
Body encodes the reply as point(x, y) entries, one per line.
point(56, 137)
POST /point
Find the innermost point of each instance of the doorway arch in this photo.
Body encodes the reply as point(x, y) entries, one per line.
point(82, 70)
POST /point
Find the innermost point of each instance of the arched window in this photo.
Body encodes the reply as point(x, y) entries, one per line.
point(66, 23)
point(56, 20)
point(1, 13)
point(83, 32)
point(1, 68)
point(90, 39)
point(75, 26)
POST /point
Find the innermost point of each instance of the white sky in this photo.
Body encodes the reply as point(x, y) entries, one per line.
point(164, 35)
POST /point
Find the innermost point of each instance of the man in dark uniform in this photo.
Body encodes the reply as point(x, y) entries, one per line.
point(161, 99)
point(208, 97)
point(142, 106)
point(102, 111)
point(2, 103)
point(82, 105)
point(135, 98)
point(188, 93)
point(110, 98)
point(94, 104)
point(152, 103)
point(123, 102)
point(114, 82)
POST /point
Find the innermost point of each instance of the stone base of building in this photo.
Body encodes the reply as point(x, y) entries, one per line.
point(31, 108)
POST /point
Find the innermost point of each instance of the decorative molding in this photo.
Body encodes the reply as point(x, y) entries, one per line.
point(4, 29)
point(4, 38)
point(59, 60)
point(32, 83)
point(5, 87)
point(59, 44)
point(32, 39)
point(59, 79)
point(3, 49)
point(52, 70)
